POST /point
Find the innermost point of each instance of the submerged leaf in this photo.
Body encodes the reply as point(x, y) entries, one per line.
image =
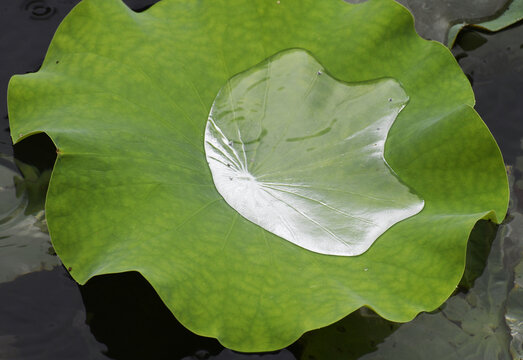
point(514, 315)
point(24, 240)
point(301, 154)
point(127, 102)
point(511, 15)
point(433, 19)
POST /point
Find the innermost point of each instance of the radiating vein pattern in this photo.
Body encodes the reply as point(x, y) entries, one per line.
point(300, 154)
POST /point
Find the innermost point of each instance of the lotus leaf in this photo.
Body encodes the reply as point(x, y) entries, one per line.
point(125, 97)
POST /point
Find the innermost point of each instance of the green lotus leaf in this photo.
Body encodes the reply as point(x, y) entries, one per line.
point(126, 96)
point(301, 154)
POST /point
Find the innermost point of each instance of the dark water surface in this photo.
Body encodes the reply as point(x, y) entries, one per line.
point(46, 315)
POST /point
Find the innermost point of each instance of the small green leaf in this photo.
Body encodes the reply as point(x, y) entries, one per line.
point(301, 154)
point(434, 18)
point(511, 15)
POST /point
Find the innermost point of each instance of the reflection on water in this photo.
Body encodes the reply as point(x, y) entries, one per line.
point(43, 318)
point(24, 242)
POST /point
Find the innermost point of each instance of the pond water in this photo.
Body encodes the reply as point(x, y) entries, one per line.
point(46, 315)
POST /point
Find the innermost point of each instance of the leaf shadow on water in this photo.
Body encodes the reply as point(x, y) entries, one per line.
point(134, 323)
point(129, 304)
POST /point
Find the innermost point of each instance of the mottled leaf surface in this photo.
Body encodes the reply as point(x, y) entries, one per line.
point(125, 97)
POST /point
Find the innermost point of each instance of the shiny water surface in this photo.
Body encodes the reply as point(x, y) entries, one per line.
point(301, 154)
